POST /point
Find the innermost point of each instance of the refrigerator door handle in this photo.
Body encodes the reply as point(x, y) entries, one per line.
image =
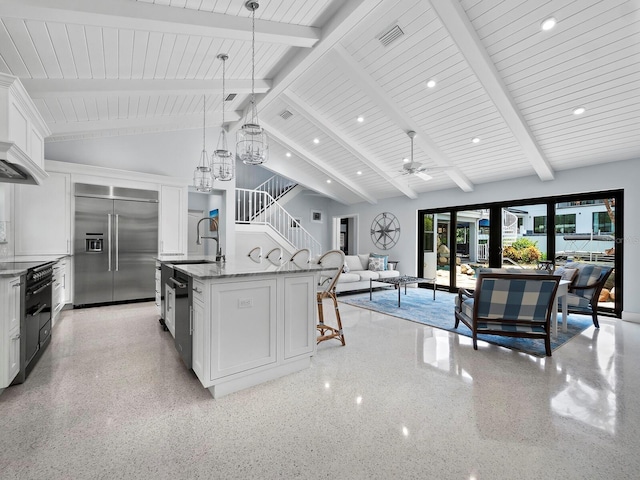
point(117, 242)
point(109, 240)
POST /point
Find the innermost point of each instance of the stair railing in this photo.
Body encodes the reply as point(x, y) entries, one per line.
point(259, 208)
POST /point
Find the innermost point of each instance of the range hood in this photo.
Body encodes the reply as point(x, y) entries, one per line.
point(17, 167)
point(22, 134)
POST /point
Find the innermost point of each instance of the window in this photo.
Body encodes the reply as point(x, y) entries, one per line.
point(540, 224)
point(566, 223)
point(602, 223)
point(428, 234)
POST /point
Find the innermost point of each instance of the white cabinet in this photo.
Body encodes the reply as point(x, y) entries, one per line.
point(173, 219)
point(9, 329)
point(197, 321)
point(43, 217)
point(61, 286)
point(158, 288)
point(248, 330)
point(170, 309)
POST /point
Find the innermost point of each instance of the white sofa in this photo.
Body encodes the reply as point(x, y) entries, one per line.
point(357, 274)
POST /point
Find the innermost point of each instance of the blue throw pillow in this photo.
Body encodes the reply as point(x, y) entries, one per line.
point(385, 259)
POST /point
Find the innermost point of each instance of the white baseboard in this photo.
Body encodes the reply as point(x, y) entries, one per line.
point(631, 317)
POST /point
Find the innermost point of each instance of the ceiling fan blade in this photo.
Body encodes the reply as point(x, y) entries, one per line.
point(424, 176)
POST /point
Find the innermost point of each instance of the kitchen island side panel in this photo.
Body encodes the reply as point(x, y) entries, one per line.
point(243, 326)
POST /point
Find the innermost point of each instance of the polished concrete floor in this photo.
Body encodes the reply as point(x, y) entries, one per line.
point(110, 399)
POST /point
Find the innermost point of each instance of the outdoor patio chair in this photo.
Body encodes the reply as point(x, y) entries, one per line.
point(585, 290)
point(333, 259)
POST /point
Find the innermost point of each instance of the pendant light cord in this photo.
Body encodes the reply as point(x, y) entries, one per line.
point(204, 120)
point(224, 62)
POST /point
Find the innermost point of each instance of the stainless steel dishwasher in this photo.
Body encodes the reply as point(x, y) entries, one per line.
point(181, 284)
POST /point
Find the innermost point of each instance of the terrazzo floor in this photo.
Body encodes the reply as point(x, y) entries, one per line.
point(111, 399)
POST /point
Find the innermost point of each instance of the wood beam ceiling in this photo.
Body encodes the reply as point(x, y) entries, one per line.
point(125, 14)
point(455, 20)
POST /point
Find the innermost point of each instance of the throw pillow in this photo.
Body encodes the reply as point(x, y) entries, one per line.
point(376, 264)
point(345, 268)
point(385, 258)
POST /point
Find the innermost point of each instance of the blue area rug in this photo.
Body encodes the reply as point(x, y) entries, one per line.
point(418, 306)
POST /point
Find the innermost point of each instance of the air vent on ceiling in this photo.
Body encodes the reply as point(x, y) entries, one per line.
point(230, 97)
point(286, 114)
point(390, 35)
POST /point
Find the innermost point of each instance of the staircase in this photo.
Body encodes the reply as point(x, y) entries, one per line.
point(509, 228)
point(259, 207)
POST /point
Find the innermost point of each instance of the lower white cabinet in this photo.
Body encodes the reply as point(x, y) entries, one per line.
point(248, 330)
point(170, 309)
point(197, 319)
point(9, 329)
point(158, 288)
point(61, 286)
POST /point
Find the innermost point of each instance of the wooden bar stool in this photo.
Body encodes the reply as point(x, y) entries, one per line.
point(327, 289)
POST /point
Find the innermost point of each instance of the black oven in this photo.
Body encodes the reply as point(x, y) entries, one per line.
point(36, 320)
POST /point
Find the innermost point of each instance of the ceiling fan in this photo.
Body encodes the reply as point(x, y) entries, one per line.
point(415, 168)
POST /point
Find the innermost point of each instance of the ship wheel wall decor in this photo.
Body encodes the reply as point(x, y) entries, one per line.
point(385, 230)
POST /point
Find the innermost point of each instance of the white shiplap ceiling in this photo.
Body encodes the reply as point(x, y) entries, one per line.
point(100, 68)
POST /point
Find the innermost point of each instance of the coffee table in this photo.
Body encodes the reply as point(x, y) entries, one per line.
point(402, 280)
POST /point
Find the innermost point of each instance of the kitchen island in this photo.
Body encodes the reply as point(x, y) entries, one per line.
point(251, 322)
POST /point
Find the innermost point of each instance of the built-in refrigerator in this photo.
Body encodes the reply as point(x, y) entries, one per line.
point(116, 242)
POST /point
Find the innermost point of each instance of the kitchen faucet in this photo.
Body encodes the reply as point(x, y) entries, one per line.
point(219, 255)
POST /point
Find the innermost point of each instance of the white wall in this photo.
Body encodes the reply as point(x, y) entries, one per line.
point(610, 176)
point(302, 206)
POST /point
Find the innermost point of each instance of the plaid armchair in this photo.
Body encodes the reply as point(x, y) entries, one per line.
point(509, 304)
point(585, 289)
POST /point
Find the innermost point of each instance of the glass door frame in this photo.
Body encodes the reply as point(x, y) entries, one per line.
point(495, 234)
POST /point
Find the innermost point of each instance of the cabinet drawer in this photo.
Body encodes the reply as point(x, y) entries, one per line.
point(198, 291)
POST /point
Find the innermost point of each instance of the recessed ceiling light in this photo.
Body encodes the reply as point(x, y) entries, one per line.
point(359, 172)
point(431, 83)
point(328, 180)
point(288, 154)
point(548, 24)
point(361, 119)
point(316, 141)
point(579, 110)
point(405, 160)
point(475, 140)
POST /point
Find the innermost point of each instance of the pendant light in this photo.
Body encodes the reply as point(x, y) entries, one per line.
point(222, 162)
point(202, 178)
point(252, 143)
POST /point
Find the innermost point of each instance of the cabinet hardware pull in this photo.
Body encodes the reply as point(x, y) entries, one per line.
point(16, 337)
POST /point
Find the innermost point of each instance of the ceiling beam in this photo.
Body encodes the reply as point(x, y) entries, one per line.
point(355, 149)
point(317, 163)
point(455, 20)
point(305, 176)
point(135, 126)
point(391, 109)
point(76, 87)
point(340, 24)
point(127, 14)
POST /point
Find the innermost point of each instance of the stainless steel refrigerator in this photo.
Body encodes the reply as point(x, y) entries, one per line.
point(116, 242)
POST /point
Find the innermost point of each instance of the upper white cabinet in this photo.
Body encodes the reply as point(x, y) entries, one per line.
point(43, 217)
point(22, 130)
point(173, 219)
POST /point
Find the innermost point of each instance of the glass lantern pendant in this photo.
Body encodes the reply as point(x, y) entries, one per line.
point(252, 142)
point(202, 177)
point(222, 162)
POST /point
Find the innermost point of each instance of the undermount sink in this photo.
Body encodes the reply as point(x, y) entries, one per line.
point(190, 262)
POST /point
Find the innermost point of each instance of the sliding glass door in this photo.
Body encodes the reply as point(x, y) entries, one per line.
point(531, 233)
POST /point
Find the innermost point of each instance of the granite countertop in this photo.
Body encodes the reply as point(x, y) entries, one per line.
point(243, 267)
point(15, 266)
